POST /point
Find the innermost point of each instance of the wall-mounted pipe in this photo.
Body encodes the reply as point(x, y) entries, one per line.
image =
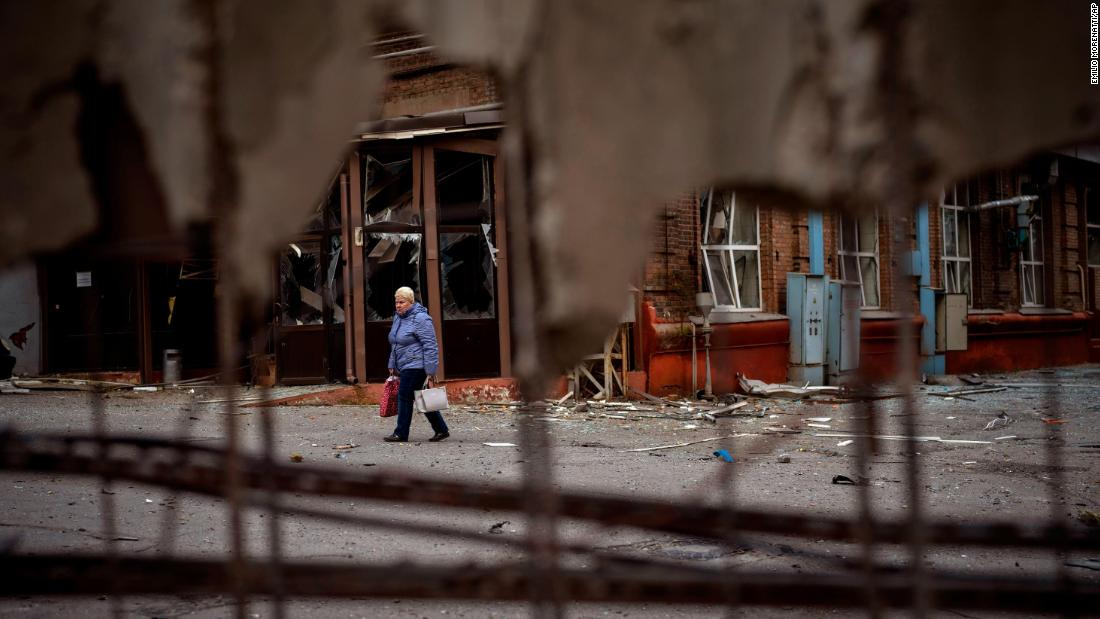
point(1084, 288)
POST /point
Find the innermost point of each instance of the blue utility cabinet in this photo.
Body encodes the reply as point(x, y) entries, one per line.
point(806, 301)
point(842, 346)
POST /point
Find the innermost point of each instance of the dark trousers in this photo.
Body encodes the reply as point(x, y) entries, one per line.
point(413, 380)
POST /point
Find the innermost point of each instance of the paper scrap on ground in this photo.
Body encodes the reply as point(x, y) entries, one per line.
point(500, 444)
point(705, 440)
point(897, 437)
point(820, 419)
point(845, 443)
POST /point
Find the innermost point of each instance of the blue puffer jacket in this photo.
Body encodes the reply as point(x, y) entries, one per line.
point(412, 341)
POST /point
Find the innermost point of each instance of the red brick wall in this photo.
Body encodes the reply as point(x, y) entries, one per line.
point(421, 83)
point(673, 268)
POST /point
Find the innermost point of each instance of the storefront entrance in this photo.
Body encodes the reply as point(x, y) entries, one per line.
point(424, 214)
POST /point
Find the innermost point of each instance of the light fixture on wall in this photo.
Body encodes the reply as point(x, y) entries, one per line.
point(705, 302)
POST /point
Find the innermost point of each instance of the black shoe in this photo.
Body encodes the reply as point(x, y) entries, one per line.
point(439, 436)
point(393, 438)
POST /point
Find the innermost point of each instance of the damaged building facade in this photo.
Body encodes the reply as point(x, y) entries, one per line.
point(419, 202)
point(1017, 249)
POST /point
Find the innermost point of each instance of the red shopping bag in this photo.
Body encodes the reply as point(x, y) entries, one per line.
point(388, 406)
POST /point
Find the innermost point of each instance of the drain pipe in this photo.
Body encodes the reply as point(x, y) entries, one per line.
point(694, 362)
point(1084, 288)
point(931, 362)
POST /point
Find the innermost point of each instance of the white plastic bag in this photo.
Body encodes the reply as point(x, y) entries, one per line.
point(429, 400)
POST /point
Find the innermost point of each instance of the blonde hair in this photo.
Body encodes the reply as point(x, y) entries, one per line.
point(405, 294)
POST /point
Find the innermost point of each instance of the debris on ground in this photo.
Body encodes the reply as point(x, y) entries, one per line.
point(345, 446)
point(1000, 420)
point(1090, 563)
point(768, 390)
point(295, 457)
point(1089, 517)
point(705, 440)
point(6, 386)
point(958, 393)
point(843, 480)
point(783, 459)
point(899, 437)
point(498, 528)
point(724, 455)
point(500, 444)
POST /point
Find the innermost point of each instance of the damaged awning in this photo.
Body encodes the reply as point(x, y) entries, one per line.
point(489, 116)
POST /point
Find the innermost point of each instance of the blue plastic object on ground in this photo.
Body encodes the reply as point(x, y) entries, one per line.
point(723, 454)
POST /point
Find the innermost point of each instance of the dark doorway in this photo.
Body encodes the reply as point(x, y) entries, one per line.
point(467, 264)
point(92, 314)
point(309, 314)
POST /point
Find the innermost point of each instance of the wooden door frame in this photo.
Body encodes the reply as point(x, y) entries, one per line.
point(488, 148)
point(423, 155)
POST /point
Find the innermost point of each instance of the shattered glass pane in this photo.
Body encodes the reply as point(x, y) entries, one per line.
point(1094, 246)
point(468, 284)
point(392, 261)
point(334, 279)
point(464, 188)
point(718, 273)
point(744, 225)
point(869, 275)
point(717, 230)
point(950, 234)
point(317, 219)
point(950, 276)
point(333, 216)
point(964, 280)
point(1032, 284)
point(964, 234)
point(388, 189)
point(300, 284)
point(748, 277)
point(849, 268)
point(847, 234)
point(868, 233)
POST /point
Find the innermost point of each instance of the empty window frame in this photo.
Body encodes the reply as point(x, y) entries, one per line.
point(731, 250)
point(857, 242)
point(956, 240)
point(1032, 283)
point(1092, 227)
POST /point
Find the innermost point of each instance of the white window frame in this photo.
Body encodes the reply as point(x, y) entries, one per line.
point(729, 248)
point(950, 203)
point(1034, 240)
point(1090, 228)
point(859, 254)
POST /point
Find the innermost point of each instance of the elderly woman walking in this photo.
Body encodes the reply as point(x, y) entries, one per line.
point(414, 355)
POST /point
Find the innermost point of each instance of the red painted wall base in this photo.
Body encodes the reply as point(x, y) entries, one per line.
point(1007, 342)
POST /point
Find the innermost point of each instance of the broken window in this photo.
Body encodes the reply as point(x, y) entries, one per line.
point(731, 250)
point(467, 275)
point(956, 239)
point(334, 278)
point(858, 253)
point(1092, 227)
point(1032, 284)
point(300, 278)
point(464, 190)
point(388, 188)
point(393, 261)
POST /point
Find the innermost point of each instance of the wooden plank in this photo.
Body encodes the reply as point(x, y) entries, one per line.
point(504, 282)
point(424, 178)
point(353, 223)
